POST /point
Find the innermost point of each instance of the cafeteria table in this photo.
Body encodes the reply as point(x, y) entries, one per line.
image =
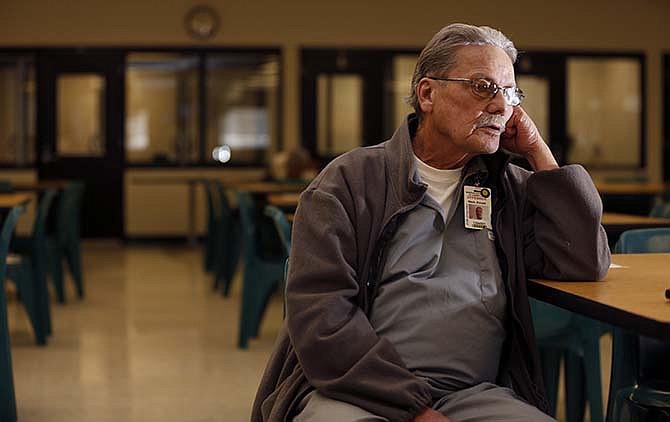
point(632, 297)
point(40, 185)
point(285, 200)
point(267, 188)
point(615, 224)
point(629, 188)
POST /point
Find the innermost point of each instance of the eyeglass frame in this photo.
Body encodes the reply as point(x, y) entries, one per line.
point(493, 89)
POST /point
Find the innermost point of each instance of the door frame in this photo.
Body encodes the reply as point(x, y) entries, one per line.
point(665, 112)
point(111, 65)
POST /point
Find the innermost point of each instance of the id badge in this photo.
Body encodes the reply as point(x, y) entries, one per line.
point(477, 203)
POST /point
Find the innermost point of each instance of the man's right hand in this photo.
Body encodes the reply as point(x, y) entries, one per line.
point(430, 415)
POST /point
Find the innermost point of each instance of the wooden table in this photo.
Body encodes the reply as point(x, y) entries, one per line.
point(629, 197)
point(268, 187)
point(630, 188)
point(612, 219)
point(615, 224)
point(40, 185)
point(632, 297)
point(286, 200)
point(10, 200)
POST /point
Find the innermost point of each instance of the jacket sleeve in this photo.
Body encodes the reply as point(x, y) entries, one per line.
point(337, 348)
point(565, 239)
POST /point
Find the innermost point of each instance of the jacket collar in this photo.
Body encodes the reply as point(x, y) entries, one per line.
point(404, 177)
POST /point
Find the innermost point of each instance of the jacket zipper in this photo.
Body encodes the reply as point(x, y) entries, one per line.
point(372, 279)
point(515, 318)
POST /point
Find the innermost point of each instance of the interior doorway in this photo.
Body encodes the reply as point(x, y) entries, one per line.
point(80, 114)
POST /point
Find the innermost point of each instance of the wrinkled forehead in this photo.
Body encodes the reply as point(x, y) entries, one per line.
point(483, 61)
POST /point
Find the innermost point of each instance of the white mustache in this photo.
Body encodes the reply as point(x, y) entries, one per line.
point(491, 119)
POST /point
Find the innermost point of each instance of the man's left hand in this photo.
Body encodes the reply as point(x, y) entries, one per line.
point(522, 137)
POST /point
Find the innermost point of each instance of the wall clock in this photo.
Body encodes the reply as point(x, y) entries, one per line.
point(202, 21)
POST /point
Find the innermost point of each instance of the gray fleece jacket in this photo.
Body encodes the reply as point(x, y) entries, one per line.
point(547, 224)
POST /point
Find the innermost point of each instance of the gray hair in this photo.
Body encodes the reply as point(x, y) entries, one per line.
point(439, 55)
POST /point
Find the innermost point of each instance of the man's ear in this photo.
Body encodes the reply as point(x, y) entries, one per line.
point(425, 93)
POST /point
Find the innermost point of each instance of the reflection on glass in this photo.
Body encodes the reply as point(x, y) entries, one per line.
point(604, 114)
point(536, 103)
point(221, 154)
point(339, 110)
point(17, 110)
point(81, 115)
point(242, 103)
point(161, 108)
point(397, 91)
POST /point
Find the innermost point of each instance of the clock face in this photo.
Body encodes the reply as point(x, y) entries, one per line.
point(202, 21)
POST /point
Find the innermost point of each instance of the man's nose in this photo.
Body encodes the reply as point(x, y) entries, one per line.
point(497, 104)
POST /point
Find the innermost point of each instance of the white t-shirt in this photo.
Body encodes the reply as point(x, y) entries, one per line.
point(442, 184)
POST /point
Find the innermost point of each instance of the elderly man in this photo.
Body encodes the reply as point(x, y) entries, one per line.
point(402, 307)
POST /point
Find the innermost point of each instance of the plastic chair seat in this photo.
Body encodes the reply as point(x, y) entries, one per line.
point(64, 244)
point(641, 404)
point(30, 274)
point(261, 275)
point(560, 333)
point(209, 250)
point(227, 241)
point(7, 395)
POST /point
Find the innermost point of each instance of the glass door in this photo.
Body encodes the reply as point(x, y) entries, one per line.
point(80, 110)
point(666, 117)
point(342, 96)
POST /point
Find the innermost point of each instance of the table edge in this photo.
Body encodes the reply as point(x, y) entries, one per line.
point(596, 310)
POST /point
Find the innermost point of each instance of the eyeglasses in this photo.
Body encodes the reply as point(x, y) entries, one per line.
point(484, 88)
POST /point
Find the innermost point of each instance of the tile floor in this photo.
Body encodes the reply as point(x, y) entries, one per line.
point(150, 342)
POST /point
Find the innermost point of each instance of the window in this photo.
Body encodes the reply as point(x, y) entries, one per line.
point(17, 110)
point(352, 97)
point(604, 111)
point(81, 115)
point(162, 108)
point(242, 106)
point(339, 111)
point(536, 103)
point(201, 107)
point(589, 107)
point(398, 88)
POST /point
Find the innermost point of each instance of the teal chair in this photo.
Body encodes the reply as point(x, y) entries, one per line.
point(73, 244)
point(209, 250)
point(30, 275)
point(283, 226)
point(262, 272)
point(65, 243)
point(563, 334)
point(7, 396)
point(661, 209)
point(6, 186)
point(640, 387)
point(227, 246)
point(284, 231)
point(221, 251)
